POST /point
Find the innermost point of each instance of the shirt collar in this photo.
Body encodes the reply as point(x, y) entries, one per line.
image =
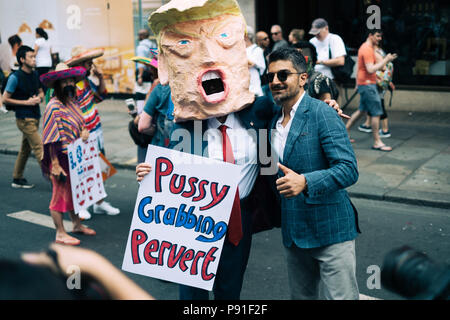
point(213, 123)
point(296, 105)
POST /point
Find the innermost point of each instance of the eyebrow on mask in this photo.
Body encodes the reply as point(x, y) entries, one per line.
point(179, 32)
point(221, 25)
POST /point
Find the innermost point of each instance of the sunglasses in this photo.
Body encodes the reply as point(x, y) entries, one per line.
point(281, 75)
point(275, 33)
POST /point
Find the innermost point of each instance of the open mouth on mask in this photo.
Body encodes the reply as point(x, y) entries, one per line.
point(213, 86)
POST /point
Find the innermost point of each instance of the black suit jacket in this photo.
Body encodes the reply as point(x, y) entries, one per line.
point(265, 206)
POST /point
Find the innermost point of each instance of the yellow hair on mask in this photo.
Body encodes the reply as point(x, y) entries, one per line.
point(177, 11)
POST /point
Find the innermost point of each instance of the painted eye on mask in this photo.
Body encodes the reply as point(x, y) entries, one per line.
point(182, 48)
point(226, 40)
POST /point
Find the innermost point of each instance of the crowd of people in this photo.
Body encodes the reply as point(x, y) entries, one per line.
point(323, 52)
point(287, 78)
point(24, 91)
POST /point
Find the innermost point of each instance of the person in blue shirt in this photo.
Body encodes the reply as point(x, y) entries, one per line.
point(158, 111)
point(24, 92)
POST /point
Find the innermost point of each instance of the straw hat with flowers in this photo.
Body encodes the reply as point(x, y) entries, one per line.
point(80, 54)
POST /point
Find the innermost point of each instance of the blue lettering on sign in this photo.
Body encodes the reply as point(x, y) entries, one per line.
point(79, 154)
point(72, 163)
point(179, 217)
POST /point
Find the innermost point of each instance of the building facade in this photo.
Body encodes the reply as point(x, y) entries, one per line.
point(417, 30)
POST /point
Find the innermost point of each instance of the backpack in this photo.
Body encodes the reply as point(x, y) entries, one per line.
point(140, 139)
point(384, 80)
point(334, 91)
point(2, 79)
point(25, 90)
point(342, 74)
point(3, 83)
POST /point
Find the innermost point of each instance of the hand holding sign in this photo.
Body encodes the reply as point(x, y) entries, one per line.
point(84, 135)
point(142, 170)
point(181, 217)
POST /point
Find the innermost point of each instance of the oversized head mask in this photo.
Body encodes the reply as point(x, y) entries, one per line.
point(203, 57)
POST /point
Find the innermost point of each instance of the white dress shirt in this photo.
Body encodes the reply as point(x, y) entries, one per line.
point(281, 133)
point(244, 149)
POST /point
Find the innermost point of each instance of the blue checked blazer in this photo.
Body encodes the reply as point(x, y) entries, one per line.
point(318, 147)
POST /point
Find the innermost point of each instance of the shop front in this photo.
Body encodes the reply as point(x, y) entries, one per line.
point(417, 30)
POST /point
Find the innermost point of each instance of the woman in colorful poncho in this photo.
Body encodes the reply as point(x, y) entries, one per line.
point(63, 124)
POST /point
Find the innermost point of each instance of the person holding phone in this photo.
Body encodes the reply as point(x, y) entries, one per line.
point(63, 124)
point(370, 102)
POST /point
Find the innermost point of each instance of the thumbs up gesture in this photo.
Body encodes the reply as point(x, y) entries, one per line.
point(292, 184)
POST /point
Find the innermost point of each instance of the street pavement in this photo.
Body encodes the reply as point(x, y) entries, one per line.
point(416, 172)
point(403, 198)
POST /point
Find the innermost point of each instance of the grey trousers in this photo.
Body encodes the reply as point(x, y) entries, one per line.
point(323, 273)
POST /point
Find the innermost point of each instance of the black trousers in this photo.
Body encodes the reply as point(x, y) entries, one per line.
point(232, 266)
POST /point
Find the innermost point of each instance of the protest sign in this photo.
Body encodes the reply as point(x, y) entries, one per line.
point(107, 168)
point(180, 219)
point(85, 173)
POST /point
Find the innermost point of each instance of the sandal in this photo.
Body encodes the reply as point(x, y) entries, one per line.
point(86, 231)
point(69, 242)
point(382, 148)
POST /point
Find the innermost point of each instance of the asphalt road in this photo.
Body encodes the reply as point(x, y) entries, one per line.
point(385, 226)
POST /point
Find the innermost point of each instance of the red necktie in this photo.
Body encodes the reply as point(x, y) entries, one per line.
point(234, 225)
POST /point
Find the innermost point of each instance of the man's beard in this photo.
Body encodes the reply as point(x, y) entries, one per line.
point(280, 98)
point(69, 91)
point(29, 66)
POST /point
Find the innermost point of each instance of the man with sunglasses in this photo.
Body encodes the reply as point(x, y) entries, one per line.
point(277, 37)
point(263, 41)
point(317, 163)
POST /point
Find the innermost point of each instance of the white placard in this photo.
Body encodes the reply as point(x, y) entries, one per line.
point(85, 173)
point(180, 219)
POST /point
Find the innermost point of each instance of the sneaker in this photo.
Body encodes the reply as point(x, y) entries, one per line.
point(105, 207)
point(21, 183)
point(84, 214)
point(386, 134)
point(364, 128)
point(3, 109)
